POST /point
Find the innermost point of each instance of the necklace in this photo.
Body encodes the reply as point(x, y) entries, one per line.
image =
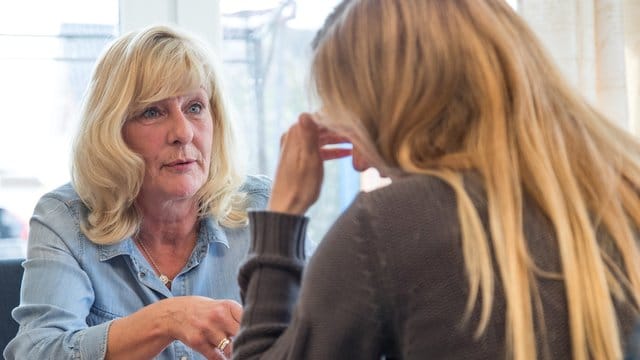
point(164, 278)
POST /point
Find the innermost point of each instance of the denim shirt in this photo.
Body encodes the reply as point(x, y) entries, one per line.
point(73, 289)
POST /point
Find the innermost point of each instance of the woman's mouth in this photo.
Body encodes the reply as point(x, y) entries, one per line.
point(180, 165)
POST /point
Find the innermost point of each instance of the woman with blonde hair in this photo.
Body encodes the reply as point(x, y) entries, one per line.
point(137, 257)
point(509, 229)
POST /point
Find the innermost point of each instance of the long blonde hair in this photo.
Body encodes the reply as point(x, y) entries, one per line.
point(441, 86)
point(137, 69)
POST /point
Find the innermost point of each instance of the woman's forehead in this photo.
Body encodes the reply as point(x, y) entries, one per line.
point(165, 88)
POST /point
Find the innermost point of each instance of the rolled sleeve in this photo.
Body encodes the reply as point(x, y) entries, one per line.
point(93, 342)
point(278, 234)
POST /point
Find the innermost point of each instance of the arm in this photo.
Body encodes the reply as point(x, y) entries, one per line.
point(57, 297)
point(336, 315)
point(199, 322)
point(337, 311)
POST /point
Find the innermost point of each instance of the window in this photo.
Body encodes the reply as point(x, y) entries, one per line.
point(45, 64)
point(266, 57)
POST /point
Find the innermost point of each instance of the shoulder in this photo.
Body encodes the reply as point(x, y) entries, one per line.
point(411, 192)
point(64, 197)
point(406, 201)
point(57, 217)
point(256, 184)
point(393, 230)
point(416, 209)
point(65, 193)
point(409, 222)
point(418, 192)
point(258, 189)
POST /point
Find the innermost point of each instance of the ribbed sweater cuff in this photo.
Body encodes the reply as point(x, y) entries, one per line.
point(275, 233)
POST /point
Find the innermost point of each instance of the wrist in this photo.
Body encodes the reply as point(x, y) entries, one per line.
point(290, 205)
point(277, 233)
point(163, 315)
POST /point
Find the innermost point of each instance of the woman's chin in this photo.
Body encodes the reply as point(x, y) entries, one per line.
point(183, 190)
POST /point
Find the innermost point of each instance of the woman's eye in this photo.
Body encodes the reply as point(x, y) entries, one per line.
point(195, 108)
point(150, 113)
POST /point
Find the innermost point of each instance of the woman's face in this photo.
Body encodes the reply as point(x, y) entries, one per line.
point(174, 137)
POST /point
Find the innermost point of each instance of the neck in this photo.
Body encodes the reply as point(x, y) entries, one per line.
point(174, 232)
point(166, 251)
point(167, 234)
point(169, 223)
point(159, 204)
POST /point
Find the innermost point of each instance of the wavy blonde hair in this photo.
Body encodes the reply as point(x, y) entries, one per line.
point(439, 87)
point(137, 69)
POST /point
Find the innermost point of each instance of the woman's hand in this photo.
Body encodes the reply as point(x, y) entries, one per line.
point(203, 323)
point(199, 322)
point(300, 170)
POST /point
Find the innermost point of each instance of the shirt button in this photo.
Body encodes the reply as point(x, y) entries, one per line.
point(184, 358)
point(142, 274)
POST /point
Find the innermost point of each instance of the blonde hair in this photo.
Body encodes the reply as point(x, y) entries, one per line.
point(443, 87)
point(137, 69)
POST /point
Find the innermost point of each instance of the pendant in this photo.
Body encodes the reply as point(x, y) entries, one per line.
point(165, 279)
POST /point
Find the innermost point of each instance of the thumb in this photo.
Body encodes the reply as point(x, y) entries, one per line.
point(309, 130)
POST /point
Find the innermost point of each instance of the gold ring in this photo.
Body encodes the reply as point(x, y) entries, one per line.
point(223, 344)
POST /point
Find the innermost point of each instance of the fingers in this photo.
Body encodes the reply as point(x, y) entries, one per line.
point(300, 172)
point(206, 325)
point(234, 312)
point(210, 345)
point(211, 352)
point(283, 138)
point(316, 138)
point(224, 318)
point(308, 131)
point(229, 319)
point(327, 137)
point(223, 348)
point(334, 153)
point(302, 134)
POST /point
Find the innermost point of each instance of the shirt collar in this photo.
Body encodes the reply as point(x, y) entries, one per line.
point(210, 232)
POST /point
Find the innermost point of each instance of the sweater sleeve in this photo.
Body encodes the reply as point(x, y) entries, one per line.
point(269, 280)
point(331, 312)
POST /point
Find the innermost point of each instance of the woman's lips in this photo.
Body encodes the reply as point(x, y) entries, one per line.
point(180, 165)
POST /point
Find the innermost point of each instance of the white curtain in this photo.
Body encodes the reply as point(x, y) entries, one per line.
point(596, 43)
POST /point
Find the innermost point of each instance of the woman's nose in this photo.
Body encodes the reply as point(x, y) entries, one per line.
point(181, 128)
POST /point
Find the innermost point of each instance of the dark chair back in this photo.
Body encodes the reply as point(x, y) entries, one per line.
point(10, 282)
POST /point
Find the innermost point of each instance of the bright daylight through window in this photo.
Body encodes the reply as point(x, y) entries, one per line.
point(266, 52)
point(48, 51)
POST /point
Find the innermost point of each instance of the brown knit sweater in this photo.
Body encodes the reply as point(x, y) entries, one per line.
point(387, 281)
